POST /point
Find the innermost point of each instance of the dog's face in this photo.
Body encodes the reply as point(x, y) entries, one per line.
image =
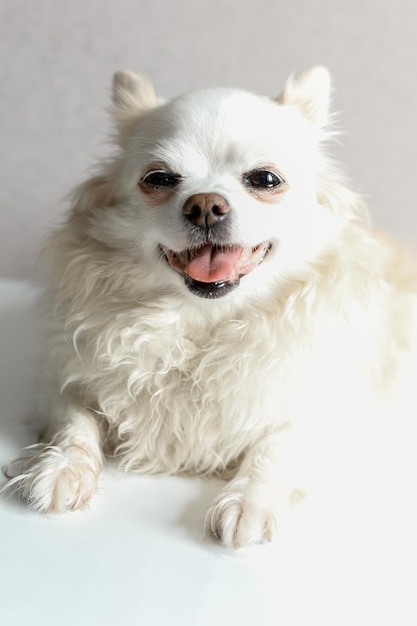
point(216, 191)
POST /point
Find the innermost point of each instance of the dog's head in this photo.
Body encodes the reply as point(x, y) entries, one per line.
point(218, 191)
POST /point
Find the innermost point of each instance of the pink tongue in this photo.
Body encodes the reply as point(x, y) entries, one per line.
point(214, 264)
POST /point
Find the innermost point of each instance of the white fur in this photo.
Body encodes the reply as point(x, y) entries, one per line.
point(169, 382)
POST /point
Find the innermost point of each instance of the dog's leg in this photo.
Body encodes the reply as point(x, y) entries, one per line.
point(60, 475)
point(246, 510)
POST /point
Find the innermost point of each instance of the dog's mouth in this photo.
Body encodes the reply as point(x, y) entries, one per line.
point(212, 271)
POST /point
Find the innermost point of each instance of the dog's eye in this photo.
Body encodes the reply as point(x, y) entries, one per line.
point(160, 179)
point(263, 179)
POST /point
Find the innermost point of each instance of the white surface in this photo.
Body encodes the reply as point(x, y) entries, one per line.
point(137, 554)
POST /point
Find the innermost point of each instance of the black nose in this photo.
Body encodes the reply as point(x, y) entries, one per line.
point(206, 209)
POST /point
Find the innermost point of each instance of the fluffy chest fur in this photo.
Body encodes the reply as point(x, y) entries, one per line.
point(179, 396)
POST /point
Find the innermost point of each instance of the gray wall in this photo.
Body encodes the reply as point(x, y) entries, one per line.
point(57, 58)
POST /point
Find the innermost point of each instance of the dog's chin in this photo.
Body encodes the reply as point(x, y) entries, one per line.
point(212, 271)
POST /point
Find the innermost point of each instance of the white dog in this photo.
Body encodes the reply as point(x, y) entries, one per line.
point(215, 293)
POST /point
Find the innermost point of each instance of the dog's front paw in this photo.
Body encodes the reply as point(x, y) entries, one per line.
point(54, 480)
point(241, 515)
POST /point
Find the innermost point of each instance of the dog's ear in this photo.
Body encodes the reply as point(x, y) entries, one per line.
point(132, 94)
point(310, 92)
